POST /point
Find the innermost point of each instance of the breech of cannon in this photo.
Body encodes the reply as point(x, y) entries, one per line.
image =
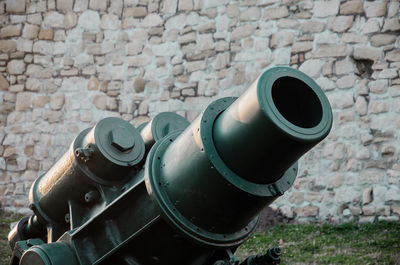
point(170, 192)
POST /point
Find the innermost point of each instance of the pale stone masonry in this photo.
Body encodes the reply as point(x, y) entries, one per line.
point(65, 64)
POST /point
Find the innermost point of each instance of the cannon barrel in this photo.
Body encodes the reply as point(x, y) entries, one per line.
point(171, 192)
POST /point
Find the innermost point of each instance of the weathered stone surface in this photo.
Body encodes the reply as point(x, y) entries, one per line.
point(70, 20)
point(23, 101)
point(312, 67)
point(351, 7)
point(303, 46)
point(195, 66)
point(16, 67)
point(242, 32)
point(307, 211)
point(330, 51)
point(81, 5)
point(375, 9)
point(89, 20)
point(392, 24)
point(393, 56)
point(57, 101)
point(367, 53)
point(30, 31)
point(276, 12)
point(64, 5)
point(185, 5)
point(152, 20)
point(251, 14)
point(3, 83)
point(100, 5)
point(325, 8)
point(312, 26)
point(100, 101)
point(361, 106)
point(10, 31)
point(15, 6)
point(382, 39)
point(43, 47)
point(341, 23)
point(24, 45)
point(7, 46)
point(281, 39)
point(110, 21)
point(139, 85)
point(46, 34)
point(54, 20)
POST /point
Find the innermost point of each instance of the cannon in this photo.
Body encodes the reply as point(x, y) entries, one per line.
point(172, 192)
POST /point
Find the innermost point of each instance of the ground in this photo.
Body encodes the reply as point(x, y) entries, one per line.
point(301, 244)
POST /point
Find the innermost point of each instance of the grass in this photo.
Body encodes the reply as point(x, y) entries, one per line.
point(6, 218)
point(301, 244)
point(330, 244)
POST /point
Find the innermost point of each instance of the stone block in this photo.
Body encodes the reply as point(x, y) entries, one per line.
point(351, 7)
point(242, 32)
point(100, 101)
point(70, 20)
point(100, 5)
point(36, 71)
point(312, 26)
point(296, 197)
point(81, 5)
point(330, 51)
point(195, 66)
point(57, 101)
point(361, 106)
point(325, 8)
point(40, 101)
point(300, 47)
point(391, 25)
point(370, 177)
point(341, 23)
point(30, 31)
point(281, 39)
point(393, 56)
point(3, 83)
point(64, 5)
point(152, 20)
point(312, 67)
point(168, 7)
point(308, 211)
point(15, 6)
point(54, 19)
point(185, 5)
point(367, 196)
point(24, 45)
point(367, 53)
point(110, 21)
point(375, 9)
point(251, 14)
point(16, 67)
point(23, 101)
point(10, 31)
point(276, 12)
point(7, 46)
point(89, 20)
point(382, 39)
point(46, 34)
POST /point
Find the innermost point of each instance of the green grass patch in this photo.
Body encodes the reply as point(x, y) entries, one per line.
point(301, 244)
point(330, 244)
point(6, 218)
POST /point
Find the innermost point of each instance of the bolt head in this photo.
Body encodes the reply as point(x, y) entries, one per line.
point(122, 139)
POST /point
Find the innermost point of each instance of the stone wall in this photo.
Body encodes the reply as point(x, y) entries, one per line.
point(65, 64)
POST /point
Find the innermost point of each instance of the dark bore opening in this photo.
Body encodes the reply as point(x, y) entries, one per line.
point(297, 102)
